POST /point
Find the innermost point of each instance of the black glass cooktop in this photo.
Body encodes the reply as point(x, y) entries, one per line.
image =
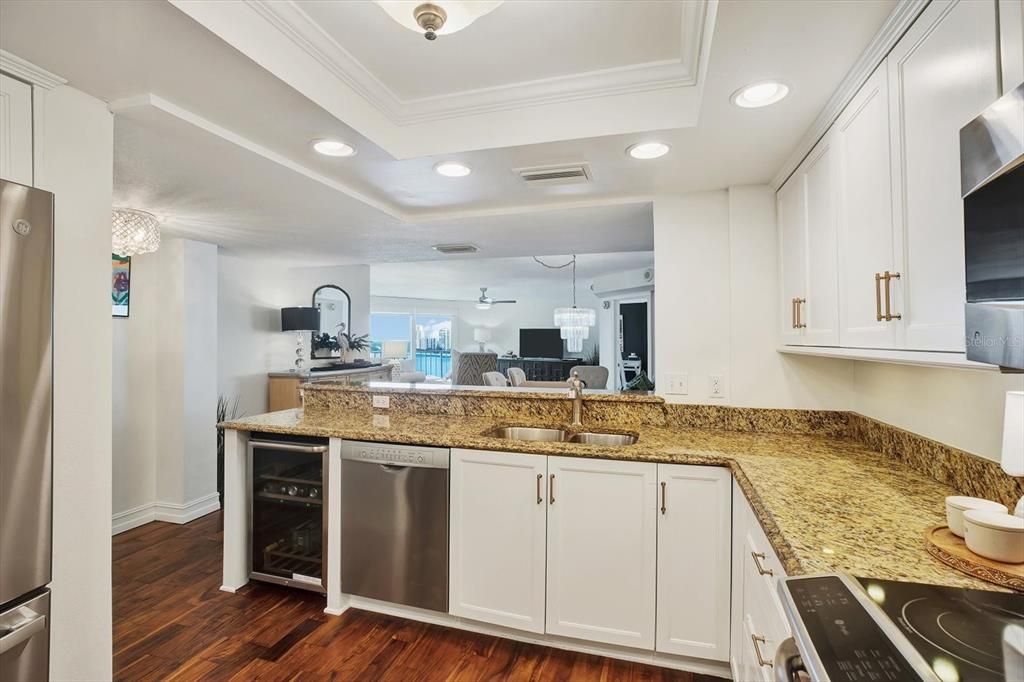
point(958, 633)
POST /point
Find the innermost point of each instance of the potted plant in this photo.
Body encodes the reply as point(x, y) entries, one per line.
point(325, 345)
point(351, 344)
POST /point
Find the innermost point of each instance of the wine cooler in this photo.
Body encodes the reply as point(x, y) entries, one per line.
point(289, 510)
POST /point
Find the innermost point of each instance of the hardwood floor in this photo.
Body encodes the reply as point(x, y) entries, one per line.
point(172, 622)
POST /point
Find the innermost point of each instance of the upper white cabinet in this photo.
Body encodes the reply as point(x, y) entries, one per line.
point(942, 73)
point(602, 550)
point(807, 223)
point(867, 234)
point(693, 545)
point(898, 251)
point(15, 130)
point(1011, 42)
point(498, 538)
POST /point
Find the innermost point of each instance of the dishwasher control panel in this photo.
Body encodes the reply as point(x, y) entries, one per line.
point(395, 454)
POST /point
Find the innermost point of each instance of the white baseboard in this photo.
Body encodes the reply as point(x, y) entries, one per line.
point(132, 518)
point(172, 512)
point(694, 665)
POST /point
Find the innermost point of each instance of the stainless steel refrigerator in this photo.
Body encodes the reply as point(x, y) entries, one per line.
point(26, 430)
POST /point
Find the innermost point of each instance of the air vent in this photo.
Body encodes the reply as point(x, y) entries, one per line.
point(455, 249)
point(566, 174)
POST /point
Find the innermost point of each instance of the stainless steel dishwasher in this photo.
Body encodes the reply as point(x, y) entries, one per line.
point(394, 523)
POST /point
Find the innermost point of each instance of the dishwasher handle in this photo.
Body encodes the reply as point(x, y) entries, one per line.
point(287, 447)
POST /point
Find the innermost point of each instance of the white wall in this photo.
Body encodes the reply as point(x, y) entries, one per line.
point(250, 342)
point(165, 388)
point(715, 313)
point(963, 408)
point(74, 145)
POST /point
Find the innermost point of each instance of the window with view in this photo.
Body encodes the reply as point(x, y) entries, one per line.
point(429, 338)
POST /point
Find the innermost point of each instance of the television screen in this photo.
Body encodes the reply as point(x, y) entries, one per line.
point(540, 343)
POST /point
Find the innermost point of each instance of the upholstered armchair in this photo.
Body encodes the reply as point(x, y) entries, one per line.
point(594, 376)
point(468, 367)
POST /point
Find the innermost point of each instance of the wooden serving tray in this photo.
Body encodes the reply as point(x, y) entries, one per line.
point(952, 550)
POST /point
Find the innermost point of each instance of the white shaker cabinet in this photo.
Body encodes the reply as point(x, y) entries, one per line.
point(695, 512)
point(602, 548)
point(1011, 43)
point(498, 538)
point(807, 238)
point(942, 73)
point(15, 130)
point(868, 239)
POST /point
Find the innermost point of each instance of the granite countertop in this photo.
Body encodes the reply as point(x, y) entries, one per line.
point(825, 503)
point(307, 375)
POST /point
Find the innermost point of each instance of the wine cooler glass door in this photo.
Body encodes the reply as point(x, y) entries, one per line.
point(289, 502)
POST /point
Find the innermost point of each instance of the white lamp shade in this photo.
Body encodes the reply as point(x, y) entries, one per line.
point(481, 334)
point(461, 13)
point(1013, 434)
point(395, 349)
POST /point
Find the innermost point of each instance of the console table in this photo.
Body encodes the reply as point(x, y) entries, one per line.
point(540, 369)
point(283, 387)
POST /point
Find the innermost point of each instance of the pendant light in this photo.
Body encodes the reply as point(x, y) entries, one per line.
point(134, 232)
point(574, 322)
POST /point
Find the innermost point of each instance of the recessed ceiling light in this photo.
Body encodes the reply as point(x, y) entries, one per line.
point(759, 94)
point(647, 150)
point(452, 169)
point(333, 148)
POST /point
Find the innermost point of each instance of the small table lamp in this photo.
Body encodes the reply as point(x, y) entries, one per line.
point(395, 351)
point(482, 335)
point(1013, 440)
point(300, 320)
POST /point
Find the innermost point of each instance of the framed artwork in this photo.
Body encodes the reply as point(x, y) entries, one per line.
point(120, 284)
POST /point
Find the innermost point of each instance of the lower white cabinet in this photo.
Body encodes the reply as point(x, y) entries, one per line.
point(633, 554)
point(694, 535)
point(497, 538)
point(602, 549)
point(760, 624)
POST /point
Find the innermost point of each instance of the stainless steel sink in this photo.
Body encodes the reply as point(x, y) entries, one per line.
point(607, 439)
point(526, 433)
point(529, 434)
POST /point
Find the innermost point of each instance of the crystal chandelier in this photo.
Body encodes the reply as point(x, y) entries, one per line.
point(134, 232)
point(574, 322)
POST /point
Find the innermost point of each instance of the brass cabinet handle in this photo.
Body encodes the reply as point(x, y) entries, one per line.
point(758, 639)
point(799, 302)
point(878, 297)
point(539, 498)
point(663, 497)
point(551, 489)
point(758, 558)
point(889, 276)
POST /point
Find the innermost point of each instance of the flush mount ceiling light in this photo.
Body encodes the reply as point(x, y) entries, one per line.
point(439, 17)
point(452, 169)
point(759, 94)
point(333, 148)
point(647, 150)
point(134, 232)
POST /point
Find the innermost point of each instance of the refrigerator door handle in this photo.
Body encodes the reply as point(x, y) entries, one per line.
point(21, 632)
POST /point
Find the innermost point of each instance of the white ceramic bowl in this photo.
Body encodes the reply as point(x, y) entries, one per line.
point(956, 505)
point(994, 535)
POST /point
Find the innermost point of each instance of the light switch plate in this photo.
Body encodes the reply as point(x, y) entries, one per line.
point(382, 401)
point(678, 384)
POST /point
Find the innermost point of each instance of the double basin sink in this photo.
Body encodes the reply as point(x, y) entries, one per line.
point(544, 435)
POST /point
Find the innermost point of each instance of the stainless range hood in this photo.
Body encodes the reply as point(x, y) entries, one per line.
point(992, 185)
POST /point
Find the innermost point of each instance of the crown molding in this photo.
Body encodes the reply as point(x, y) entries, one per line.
point(27, 71)
point(695, 28)
point(901, 18)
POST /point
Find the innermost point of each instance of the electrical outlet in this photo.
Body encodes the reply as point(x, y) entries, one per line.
point(381, 421)
point(716, 386)
point(382, 401)
point(678, 384)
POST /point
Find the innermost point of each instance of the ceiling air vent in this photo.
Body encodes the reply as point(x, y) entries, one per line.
point(455, 249)
point(565, 174)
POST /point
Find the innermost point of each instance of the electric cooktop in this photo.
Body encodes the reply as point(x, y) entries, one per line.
point(854, 629)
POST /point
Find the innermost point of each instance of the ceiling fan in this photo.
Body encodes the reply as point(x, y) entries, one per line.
point(485, 302)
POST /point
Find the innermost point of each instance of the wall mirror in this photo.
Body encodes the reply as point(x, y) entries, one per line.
point(335, 317)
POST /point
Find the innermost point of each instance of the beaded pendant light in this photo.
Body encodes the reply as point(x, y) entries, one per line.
point(134, 232)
